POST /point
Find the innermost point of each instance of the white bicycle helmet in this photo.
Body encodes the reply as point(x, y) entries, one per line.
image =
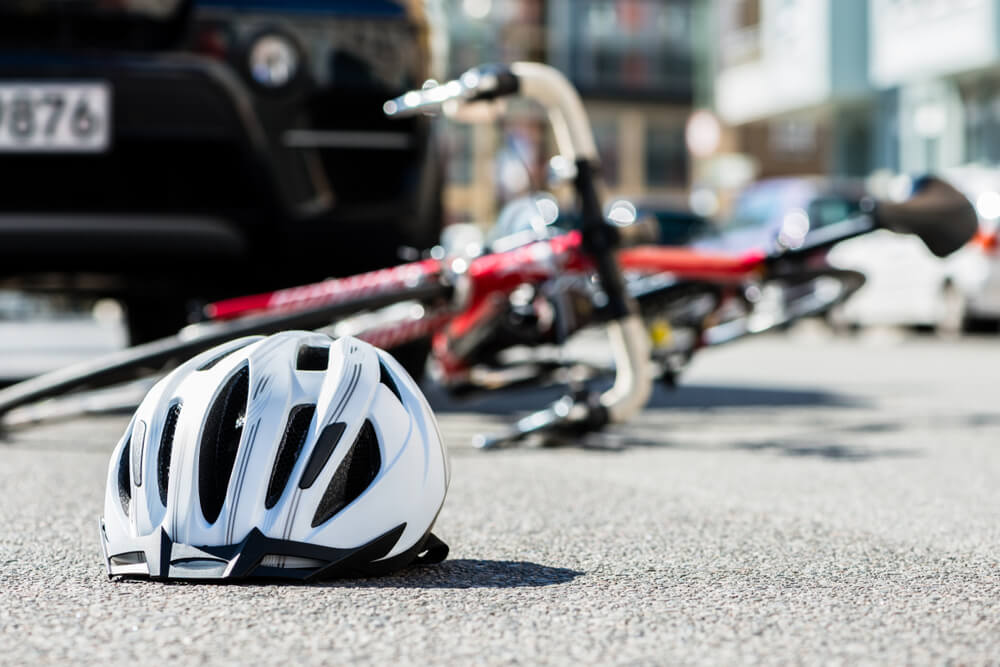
point(293, 456)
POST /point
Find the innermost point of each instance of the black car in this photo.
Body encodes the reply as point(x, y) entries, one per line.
point(165, 151)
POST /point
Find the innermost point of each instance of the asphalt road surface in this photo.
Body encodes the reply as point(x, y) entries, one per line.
point(800, 500)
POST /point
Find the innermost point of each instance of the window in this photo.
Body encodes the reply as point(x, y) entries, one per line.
point(666, 156)
point(981, 100)
point(748, 13)
point(829, 210)
point(640, 47)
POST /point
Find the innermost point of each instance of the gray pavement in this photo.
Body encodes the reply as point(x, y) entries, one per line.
point(799, 500)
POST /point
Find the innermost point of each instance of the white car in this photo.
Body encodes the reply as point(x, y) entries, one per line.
point(908, 286)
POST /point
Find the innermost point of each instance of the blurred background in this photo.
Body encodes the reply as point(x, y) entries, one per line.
point(688, 94)
point(746, 111)
point(156, 154)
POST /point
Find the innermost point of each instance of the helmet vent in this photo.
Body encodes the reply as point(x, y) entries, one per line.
point(313, 358)
point(288, 451)
point(386, 379)
point(220, 441)
point(355, 473)
point(325, 444)
point(124, 475)
point(219, 357)
point(166, 447)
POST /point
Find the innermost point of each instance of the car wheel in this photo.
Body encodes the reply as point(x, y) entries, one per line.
point(953, 319)
point(149, 317)
point(983, 325)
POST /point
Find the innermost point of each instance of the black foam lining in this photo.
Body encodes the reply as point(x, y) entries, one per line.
point(125, 475)
point(356, 472)
point(313, 358)
point(166, 447)
point(220, 441)
point(289, 449)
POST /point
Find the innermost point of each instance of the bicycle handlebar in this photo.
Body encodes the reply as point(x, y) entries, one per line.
point(544, 84)
point(936, 213)
point(575, 141)
point(486, 82)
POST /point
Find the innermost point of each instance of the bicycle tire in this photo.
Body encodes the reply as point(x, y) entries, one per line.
point(133, 362)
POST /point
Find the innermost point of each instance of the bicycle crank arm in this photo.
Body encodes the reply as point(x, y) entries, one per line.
point(812, 299)
point(567, 416)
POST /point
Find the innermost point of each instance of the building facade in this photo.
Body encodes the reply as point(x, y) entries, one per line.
point(851, 87)
point(631, 61)
point(790, 83)
point(939, 64)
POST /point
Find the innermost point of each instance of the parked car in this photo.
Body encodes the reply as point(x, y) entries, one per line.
point(677, 224)
point(767, 209)
point(169, 150)
point(908, 286)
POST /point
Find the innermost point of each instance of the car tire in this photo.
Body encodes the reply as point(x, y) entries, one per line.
point(149, 317)
point(982, 325)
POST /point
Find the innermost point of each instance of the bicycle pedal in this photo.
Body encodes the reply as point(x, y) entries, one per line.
point(495, 441)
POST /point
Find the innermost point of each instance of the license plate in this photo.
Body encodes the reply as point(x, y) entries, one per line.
point(55, 117)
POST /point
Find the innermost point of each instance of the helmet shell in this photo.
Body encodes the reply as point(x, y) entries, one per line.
point(293, 455)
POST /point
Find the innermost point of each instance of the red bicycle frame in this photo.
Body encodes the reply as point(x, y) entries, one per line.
point(490, 274)
point(480, 285)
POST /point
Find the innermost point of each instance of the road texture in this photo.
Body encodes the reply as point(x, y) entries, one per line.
point(800, 500)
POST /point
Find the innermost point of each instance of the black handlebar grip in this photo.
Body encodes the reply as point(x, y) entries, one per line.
point(937, 213)
point(504, 82)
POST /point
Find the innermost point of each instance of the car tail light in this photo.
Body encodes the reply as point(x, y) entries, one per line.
point(986, 241)
point(212, 41)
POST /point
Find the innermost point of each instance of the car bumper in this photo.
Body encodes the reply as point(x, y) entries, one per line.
point(977, 275)
point(189, 134)
point(196, 170)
